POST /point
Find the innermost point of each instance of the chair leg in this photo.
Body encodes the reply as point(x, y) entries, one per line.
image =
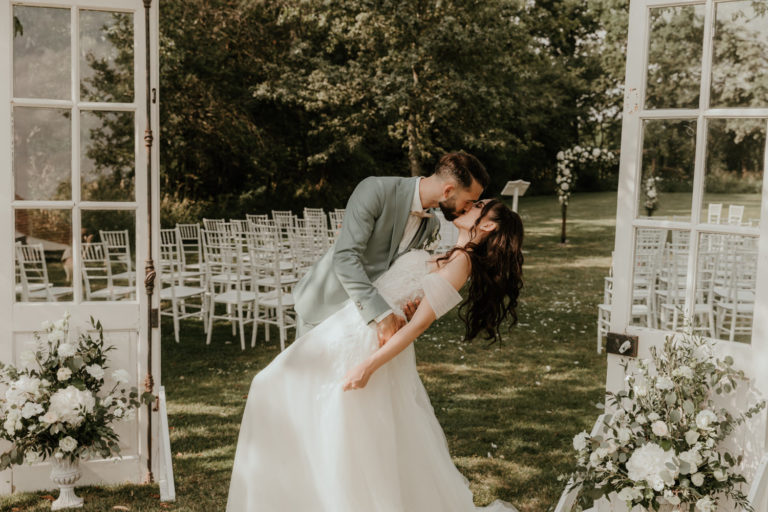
point(174, 308)
point(241, 324)
point(255, 325)
point(210, 322)
point(281, 324)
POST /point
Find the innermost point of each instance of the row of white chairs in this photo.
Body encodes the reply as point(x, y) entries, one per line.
point(247, 266)
point(107, 270)
point(724, 284)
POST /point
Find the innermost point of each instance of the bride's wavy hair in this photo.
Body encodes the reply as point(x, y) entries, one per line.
point(496, 276)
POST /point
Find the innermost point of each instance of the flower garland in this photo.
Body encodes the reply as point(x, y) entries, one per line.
point(53, 406)
point(662, 445)
point(566, 164)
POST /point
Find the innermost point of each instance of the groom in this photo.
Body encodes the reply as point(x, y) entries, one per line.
point(385, 217)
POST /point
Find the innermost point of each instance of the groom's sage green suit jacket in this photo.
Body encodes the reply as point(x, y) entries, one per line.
point(367, 245)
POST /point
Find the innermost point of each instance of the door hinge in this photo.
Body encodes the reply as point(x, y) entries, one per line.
point(154, 317)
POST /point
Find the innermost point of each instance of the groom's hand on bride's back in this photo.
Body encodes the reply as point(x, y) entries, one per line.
point(388, 327)
point(392, 323)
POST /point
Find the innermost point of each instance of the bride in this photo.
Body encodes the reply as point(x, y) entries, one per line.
point(336, 423)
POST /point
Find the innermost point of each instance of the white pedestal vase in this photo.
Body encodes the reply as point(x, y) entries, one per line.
point(64, 474)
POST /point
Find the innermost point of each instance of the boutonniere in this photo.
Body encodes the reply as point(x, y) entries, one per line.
point(433, 240)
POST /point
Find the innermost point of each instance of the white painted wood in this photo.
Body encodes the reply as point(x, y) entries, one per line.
point(758, 492)
point(165, 478)
point(125, 322)
point(568, 498)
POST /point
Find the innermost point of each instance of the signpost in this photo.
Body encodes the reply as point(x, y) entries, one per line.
point(515, 189)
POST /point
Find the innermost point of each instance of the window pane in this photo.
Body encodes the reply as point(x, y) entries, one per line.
point(659, 278)
point(43, 255)
point(740, 59)
point(107, 156)
point(725, 286)
point(106, 56)
point(734, 172)
point(41, 53)
point(666, 185)
point(109, 254)
point(674, 57)
point(42, 153)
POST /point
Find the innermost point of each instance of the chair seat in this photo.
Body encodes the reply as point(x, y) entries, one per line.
point(180, 292)
point(115, 291)
point(53, 290)
point(184, 274)
point(32, 287)
point(741, 295)
point(269, 299)
point(124, 275)
point(231, 297)
point(268, 281)
point(229, 278)
point(740, 307)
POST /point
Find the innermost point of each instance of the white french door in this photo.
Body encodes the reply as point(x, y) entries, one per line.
point(692, 215)
point(73, 191)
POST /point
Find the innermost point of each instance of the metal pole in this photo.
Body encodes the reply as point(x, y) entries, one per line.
point(149, 267)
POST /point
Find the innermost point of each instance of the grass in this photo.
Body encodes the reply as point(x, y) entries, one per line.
point(509, 411)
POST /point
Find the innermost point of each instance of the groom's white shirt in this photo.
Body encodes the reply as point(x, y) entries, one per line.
point(411, 227)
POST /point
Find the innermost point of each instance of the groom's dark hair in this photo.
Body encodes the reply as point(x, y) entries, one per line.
point(462, 167)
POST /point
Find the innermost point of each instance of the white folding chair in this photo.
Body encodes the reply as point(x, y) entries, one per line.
point(336, 220)
point(97, 274)
point(228, 284)
point(191, 246)
point(118, 246)
point(734, 292)
point(735, 214)
point(33, 274)
point(714, 211)
point(175, 285)
point(274, 302)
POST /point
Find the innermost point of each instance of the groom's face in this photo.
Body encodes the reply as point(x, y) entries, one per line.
point(459, 200)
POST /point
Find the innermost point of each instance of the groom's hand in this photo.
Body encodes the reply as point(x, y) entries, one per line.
point(388, 327)
point(411, 308)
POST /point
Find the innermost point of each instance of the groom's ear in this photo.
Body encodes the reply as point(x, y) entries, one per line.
point(448, 189)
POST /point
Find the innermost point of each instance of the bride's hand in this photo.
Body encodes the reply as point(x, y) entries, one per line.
point(357, 377)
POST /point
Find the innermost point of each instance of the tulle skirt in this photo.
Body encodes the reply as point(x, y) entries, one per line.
point(306, 445)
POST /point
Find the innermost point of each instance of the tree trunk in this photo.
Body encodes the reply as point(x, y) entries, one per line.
point(413, 159)
point(562, 229)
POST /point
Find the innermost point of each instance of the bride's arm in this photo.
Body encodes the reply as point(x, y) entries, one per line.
point(456, 272)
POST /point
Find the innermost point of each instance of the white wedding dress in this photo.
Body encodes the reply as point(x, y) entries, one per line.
point(307, 446)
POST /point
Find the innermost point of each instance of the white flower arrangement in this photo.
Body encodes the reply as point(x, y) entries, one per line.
point(662, 444)
point(53, 405)
point(651, 194)
point(566, 166)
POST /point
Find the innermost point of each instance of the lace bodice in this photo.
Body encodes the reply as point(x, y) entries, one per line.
point(403, 281)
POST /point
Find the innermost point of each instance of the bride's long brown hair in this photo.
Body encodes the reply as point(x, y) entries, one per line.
point(496, 274)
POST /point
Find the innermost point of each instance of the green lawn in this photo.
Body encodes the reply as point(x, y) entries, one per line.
point(509, 412)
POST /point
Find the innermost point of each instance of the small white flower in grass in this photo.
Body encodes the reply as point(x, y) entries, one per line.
point(68, 444)
point(66, 350)
point(121, 376)
point(691, 437)
point(697, 479)
point(31, 409)
point(665, 383)
point(660, 428)
point(63, 374)
point(580, 441)
point(705, 419)
point(705, 504)
point(95, 371)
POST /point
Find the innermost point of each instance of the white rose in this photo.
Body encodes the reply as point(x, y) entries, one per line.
point(31, 409)
point(45, 383)
point(580, 441)
point(56, 336)
point(10, 426)
point(565, 186)
point(697, 479)
point(49, 417)
point(22, 389)
point(653, 416)
point(560, 155)
point(66, 350)
point(705, 504)
point(691, 437)
point(577, 149)
point(32, 456)
point(59, 455)
point(68, 444)
point(683, 371)
point(70, 404)
point(596, 152)
point(647, 463)
point(641, 419)
point(705, 419)
point(63, 374)
point(720, 475)
point(693, 458)
point(660, 428)
point(566, 172)
point(121, 376)
point(95, 371)
point(118, 412)
point(665, 383)
point(624, 435)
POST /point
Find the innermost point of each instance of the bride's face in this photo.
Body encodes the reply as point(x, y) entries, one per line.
point(468, 219)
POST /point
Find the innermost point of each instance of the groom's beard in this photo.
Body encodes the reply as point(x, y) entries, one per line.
point(449, 209)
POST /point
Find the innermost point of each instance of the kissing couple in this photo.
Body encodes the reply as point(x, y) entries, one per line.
point(340, 421)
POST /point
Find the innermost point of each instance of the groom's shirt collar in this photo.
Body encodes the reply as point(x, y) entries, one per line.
point(416, 202)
